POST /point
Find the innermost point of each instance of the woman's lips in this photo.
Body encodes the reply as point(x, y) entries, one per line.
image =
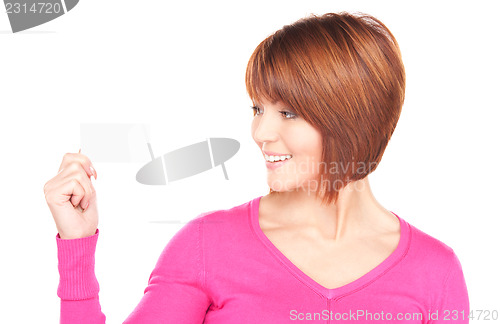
point(269, 153)
point(275, 165)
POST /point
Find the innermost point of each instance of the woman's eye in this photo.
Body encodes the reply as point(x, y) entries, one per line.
point(255, 110)
point(290, 114)
point(286, 114)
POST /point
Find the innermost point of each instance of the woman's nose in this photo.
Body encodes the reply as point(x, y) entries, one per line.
point(266, 129)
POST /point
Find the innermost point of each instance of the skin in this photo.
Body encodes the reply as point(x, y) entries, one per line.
point(72, 198)
point(335, 244)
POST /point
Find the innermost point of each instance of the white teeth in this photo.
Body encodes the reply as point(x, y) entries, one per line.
point(274, 158)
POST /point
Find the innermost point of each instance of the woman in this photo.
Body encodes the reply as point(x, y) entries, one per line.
point(327, 93)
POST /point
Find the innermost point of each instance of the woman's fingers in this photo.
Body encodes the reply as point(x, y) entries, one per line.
point(71, 195)
point(84, 161)
point(77, 192)
point(74, 180)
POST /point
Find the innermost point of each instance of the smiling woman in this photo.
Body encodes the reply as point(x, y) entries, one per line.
point(279, 137)
point(343, 75)
point(327, 93)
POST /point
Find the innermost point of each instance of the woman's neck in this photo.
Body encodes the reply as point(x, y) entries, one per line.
point(356, 213)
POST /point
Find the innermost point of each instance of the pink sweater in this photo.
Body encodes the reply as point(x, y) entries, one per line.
point(220, 268)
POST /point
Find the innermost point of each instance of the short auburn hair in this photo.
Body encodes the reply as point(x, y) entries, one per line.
point(343, 73)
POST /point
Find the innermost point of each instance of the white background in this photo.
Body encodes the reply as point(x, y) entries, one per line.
point(179, 67)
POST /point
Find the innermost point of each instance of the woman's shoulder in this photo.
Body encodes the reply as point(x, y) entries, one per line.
point(221, 225)
point(429, 251)
point(224, 220)
point(428, 242)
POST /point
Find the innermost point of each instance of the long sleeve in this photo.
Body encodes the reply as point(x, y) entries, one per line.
point(78, 287)
point(175, 292)
point(453, 306)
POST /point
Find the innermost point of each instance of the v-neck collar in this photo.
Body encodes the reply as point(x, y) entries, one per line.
point(366, 279)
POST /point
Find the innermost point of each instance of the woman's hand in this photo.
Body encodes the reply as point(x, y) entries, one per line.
point(71, 197)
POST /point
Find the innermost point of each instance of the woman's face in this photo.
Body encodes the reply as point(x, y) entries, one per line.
point(276, 129)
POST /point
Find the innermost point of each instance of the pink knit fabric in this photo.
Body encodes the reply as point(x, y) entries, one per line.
point(220, 268)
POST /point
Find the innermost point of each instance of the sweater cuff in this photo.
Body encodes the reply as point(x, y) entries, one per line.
point(77, 280)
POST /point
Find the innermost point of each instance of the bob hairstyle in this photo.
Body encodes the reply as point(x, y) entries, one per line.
point(343, 73)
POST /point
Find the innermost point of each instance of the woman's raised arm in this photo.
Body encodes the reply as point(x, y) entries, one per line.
point(175, 292)
point(176, 289)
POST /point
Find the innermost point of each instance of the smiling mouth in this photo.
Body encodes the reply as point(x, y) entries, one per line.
point(277, 158)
